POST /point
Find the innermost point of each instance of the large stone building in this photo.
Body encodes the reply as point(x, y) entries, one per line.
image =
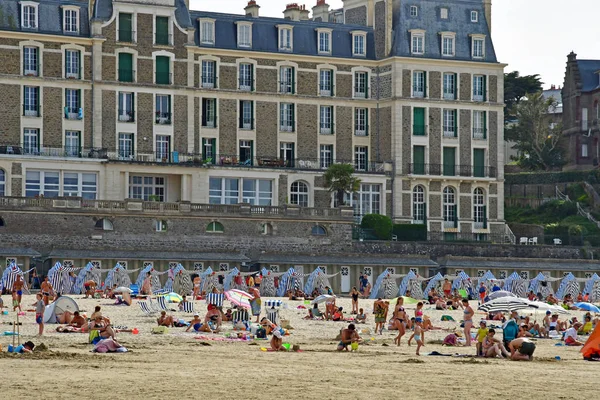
point(581, 112)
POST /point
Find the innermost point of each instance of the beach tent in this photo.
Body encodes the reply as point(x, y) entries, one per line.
point(155, 280)
point(591, 348)
point(508, 283)
point(267, 285)
point(179, 281)
point(568, 285)
point(590, 284)
point(283, 282)
point(60, 279)
point(516, 285)
point(405, 284)
point(317, 279)
point(433, 282)
point(230, 281)
point(539, 284)
point(463, 281)
point(62, 304)
point(119, 276)
point(210, 280)
point(88, 273)
point(385, 286)
point(9, 276)
point(487, 277)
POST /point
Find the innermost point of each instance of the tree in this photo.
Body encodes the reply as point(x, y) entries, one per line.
point(516, 88)
point(538, 141)
point(339, 178)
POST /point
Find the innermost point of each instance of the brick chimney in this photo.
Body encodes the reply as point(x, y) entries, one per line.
point(304, 13)
point(320, 12)
point(292, 11)
point(252, 9)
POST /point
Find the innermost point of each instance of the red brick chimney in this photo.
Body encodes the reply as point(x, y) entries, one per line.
point(252, 9)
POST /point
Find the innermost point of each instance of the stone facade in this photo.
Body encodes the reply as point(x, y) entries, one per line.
point(356, 16)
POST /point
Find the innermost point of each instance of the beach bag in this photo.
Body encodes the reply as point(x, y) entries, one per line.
point(93, 335)
point(261, 333)
point(160, 330)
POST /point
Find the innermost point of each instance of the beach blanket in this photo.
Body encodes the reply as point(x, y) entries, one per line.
point(109, 346)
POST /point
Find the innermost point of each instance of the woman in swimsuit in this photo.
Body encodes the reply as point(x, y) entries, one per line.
point(354, 293)
point(468, 319)
point(398, 320)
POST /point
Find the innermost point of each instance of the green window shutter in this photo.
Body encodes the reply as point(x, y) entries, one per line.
point(162, 30)
point(478, 163)
point(484, 87)
point(125, 28)
point(455, 207)
point(162, 70)
point(203, 149)
point(133, 106)
point(332, 120)
point(204, 112)
point(485, 221)
point(241, 115)
point(449, 161)
point(252, 152)
point(455, 112)
point(293, 80)
point(367, 122)
point(251, 115)
point(419, 121)
point(424, 83)
point(485, 125)
point(126, 67)
point(455, 86)
point(215, 107)
point(132, 144)
point(419, 160)
point(213, 143)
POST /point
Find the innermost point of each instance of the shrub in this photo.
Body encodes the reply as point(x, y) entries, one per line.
point(411, 232)
point(381, 225)
point(541, 178)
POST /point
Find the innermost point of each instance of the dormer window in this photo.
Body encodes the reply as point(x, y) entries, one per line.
point(324, 41)
point(244, 31)
point(29, 15)
point(359, 44)
point(474, 16)
point(207, 31)
point(478, 46)
point(417, 42)
point(448, 44)
point(285, 37)
point(71, 20)
point(414, 11)
point(443, 13)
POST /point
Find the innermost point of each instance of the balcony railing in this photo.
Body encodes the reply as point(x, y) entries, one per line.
point(479, 133)
point(326, 129)
point(245, 84)
point(126, 75)
point(48, 151)
point(164, 78)
point(360, 132)
point(163, 118)
point(360, 94)
point(30, 110)
point(452, 170)
point(477, 97)
point(326, 90)
point(163, 39)
point(449, 96)
point(287, 128)
point(126, 116)
point(450, 132)
point(209, 124)
point(126, 36)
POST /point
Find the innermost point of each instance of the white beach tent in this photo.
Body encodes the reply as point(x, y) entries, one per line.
point(62, 304)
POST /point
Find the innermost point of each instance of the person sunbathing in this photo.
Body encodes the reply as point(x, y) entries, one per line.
point(551, 299)
point(228, 316)
point(524, 331)
point(104, 329)
point(440, 304)
point(165, 320)
point(214, 315)
point(78, 321)
point(199, 326)
point(123, 299)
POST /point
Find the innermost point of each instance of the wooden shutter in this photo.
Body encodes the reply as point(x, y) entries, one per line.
point(455, 86)
point(251, 114)
point(126, 67)
point(478, 163)
point(455, 207)
point(162, 30)
point(162, 70)
point(125, 28)
point(366, 85)
point(215, 103)
point(484, 87)
point(455, 112)
point(485, 125)
point(449, 161)
point(241, 115)
point(366, 121)
point(251, 77)
point(419, 159)
point(293, 80)
point(203, 149)
point(213, 143)
point(293, 115)
point(252, 153)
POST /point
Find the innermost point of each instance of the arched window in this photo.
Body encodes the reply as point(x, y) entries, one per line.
point(318, 230)
point(479, 209)
point(449, 208)
point(215, 227)
point(2, 182)
point(104, 224)
point(299, 194)
point(419, 205)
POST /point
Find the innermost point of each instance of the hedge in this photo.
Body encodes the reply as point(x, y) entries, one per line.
point(381, 225)
point(410, 232)
point(540, 178)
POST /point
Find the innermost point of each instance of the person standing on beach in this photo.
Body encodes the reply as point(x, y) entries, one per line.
point(354, 294)
point(47, 290)
point(399, 320)
point(379, 310)
point(17, 293)
point(40, 307)
point(147, 284)
point(418, 334)
point(482, 293)
point(447, 288)
point(468, 320)
point(256, 302)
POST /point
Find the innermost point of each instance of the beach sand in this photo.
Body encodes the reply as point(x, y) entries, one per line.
point(177, 365)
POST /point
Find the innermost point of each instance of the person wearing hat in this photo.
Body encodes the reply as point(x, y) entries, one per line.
point(26, 347)
point(197, 324)
point(277, 341)
point(571, 338)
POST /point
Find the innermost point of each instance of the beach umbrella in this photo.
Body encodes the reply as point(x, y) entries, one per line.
point(123, 289)
point(239, 298)
point(587, 307)
point(506, 304)
point(541, 306)
point(407, 300)
point(172, 297)
point(322, 299)
point(501, 293)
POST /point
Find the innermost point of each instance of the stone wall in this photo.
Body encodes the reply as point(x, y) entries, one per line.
point(356, 16)
point(11, 101)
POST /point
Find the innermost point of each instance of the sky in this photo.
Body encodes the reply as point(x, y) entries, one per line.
point(528, 34)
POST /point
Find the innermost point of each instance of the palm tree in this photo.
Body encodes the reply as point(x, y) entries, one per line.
point(339, 179)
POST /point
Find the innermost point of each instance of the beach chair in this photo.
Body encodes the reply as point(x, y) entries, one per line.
point(135, 290)
point(146, 309)
point(273, 315)
point(188, 307)
point(240, 315)
point(216, 299)
point(163, 304)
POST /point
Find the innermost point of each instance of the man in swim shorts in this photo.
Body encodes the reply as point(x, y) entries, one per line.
point(17, 293)
point(521, 349)
point(349, 336)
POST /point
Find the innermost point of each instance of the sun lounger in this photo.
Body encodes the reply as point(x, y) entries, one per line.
point(187, 307)
point(240, 316)
point(216, 299)
point(273, 316)
point(146, 308)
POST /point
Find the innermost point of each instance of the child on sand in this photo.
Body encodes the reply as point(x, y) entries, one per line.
point(418, 335)
point(481, 334)
point(40, 307)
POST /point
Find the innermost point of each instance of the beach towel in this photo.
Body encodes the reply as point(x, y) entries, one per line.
point(447, 318)
point(160, 330)
point(109, 346)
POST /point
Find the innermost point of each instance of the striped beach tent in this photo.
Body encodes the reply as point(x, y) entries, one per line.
point(9, 276)
point(210, 281)
point(154, 279)
point(385, 286)
point(59, 278)
point(462, 281)
point(433, 282)
point(589, 286)
point(283, 282)
point(508, 283)
point(179, 281)
point(267, 285)
point(230, 282)
point(87, 273)
point(316, 279)
point(568, 285)
point(537, 286)
point(404, 285)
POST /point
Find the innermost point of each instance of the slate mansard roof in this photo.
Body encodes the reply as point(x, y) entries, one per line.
point(103, 11)
point(50, 16)
point(265, 35)
point(589, 71)
point(428, 19)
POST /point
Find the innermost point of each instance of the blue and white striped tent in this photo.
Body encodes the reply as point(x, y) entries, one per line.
point(182, 276)
point(283, 282)
point(119, 276)
point(488, 276)
point(403, 285)
point(59, 278)
point(9, 276)
point(156, 287)
point(536, 286)
point(316, 279)
point(589, 285)
point(433, 282)
point(568, 285)
point(377, 286)
point(89, 272)
point(508, 283)
point(462, 281)
point(228, 281)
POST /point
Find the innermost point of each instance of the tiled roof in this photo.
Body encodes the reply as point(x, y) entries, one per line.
point(428, 19)
point(265, 34)
point(18, 251)
point(353, 259)
point(147, 255)
point(590, 79)
point(50, 16)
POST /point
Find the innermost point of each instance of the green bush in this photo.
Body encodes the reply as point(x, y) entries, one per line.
point(410, 232)
point(381, 225)
point(541, 178)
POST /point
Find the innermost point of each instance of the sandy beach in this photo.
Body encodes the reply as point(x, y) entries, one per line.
point(180, 365)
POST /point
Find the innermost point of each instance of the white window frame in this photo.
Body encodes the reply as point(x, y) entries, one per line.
point(59, 187)
point(415, 36)
point(161, 225)
point(414, 11)
point(474, 16)
point(89, 192)
point(326, 118)
point(479, 203)
point(323, 70)
point(126, 100)
point(75, 10)
point(444, 13)
point(448, 122)
point(126, 145)
point(287, 107)
point(326, 155)
point(249, 86)
point(244, 29)
point(479, 39)
point(449, 206)
point(416, 93)
point(299, 196)
point(327, 32)
point(281, 43)
point(447, 95)
point(418, 204)
point(367, 76)
point(153, 186)
point(31, 101)
point(359, 35)
point(242, 195)
point(449, 37)
point(30, 140)
point(479, 125)
point(287, 78)
point(73, 75)
point(361, 158)
point(34, 5)
point(203, 27)
point(361, 126)
point(584, 150)
point(31, 72)
point(205, 84)
point(3, 183)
